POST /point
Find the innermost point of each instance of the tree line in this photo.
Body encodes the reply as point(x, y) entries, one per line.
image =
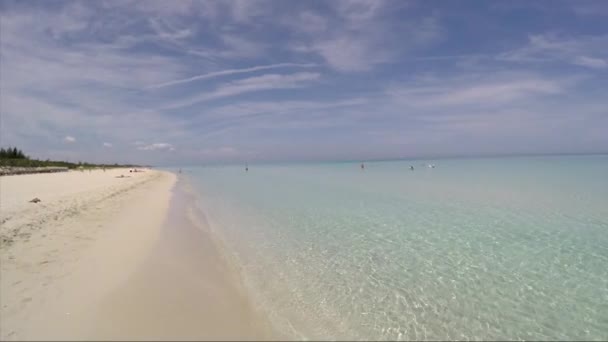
point(12, 153)
point(14, 157)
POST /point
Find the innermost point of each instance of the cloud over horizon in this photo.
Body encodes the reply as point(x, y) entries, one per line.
point(270, 80)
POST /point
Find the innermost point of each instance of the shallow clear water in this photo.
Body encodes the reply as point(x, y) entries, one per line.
point(508, 248)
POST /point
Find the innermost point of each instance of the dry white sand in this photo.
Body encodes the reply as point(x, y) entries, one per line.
point(87, 235)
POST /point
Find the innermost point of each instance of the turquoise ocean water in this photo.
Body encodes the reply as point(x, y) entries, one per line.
point(504, 248)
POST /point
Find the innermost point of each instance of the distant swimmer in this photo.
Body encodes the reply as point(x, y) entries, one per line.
point(411, 167)
point(246, 169)
point(362, 166)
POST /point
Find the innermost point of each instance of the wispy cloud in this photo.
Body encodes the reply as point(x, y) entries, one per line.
point(166, 31)
point(366, 37)
point(587, 51)
point(271, 79)
point(596, 63)
point(231, 72)
point(252, 84)
point(69, 139)
point(478, 90)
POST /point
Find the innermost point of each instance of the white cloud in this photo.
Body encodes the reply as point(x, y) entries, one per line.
point(156, 146)
point(107, 144)
point(69, 139)
point(365, 37)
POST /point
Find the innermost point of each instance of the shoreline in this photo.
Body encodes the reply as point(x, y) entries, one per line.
point(104, 257)
point(186, 289)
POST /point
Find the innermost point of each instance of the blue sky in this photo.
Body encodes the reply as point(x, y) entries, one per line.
point(173, 82)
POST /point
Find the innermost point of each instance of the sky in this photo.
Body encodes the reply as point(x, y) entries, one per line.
point(188, 82)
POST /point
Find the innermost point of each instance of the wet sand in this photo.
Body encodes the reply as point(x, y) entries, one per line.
point(185, 290)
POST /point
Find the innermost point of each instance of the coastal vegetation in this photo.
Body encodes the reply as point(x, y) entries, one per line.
point(14, 157)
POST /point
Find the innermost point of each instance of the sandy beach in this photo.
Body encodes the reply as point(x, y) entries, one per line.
point(102, 257)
